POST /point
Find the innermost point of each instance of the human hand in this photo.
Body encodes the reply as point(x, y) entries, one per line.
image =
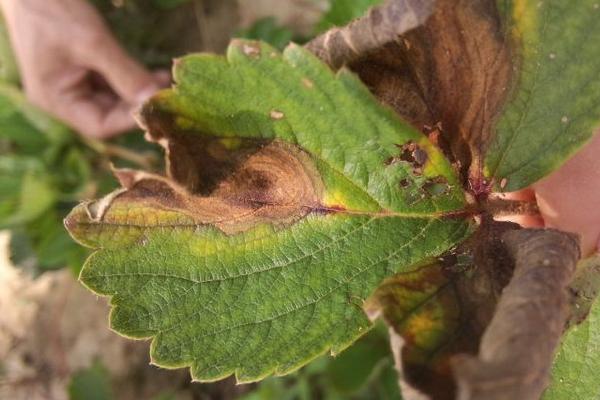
point(569, 198)
point(73, 68)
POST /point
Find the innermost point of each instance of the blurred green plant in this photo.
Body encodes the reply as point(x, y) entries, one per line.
point(46, 169)
point(92, 383)
point(268, 30)
point(341, 12)
point(364, 371)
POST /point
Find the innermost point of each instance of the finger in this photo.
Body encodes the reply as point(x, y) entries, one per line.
point(163, 78)
point(105, 100)
point(93, 119)
point(569, 197)
point(128, 78)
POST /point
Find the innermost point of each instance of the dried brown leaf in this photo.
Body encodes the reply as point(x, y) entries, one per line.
point(517, 349)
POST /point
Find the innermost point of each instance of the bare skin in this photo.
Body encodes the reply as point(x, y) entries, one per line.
point(73, 68)
point(569, 198)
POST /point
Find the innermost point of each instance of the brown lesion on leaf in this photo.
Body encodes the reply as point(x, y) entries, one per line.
point(275, 184)
point(452, 68)
point(436, 186)
point(411, 153)
point(442, 309)
point(230, 183)
point(502, 300)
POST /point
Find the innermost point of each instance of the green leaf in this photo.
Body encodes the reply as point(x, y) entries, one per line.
point(320, 195)
point(555, 105)
point(19, 120)
point(342, 12)
point(574, 373)
point(351, 370)
point(9, 71)
point(267, 30)
point(35, 196)
point(169, 3)
point(92, 383)
point(364, 371)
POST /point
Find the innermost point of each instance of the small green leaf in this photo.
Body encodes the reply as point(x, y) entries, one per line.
point(342, 12)
point(575, 372)
point(92, 383)
point(35, 197)
point(18, 118)
point(267, 30)
point(555, 105)
point(351, 370)
point(575, 369)
point(319, 197)
point(9, 72)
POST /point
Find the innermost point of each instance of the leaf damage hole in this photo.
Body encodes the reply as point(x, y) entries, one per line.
point(436, 186)
point(411, 153)
point(276, 115)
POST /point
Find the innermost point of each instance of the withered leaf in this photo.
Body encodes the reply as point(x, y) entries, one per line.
point(442, 309)
point(511, 85)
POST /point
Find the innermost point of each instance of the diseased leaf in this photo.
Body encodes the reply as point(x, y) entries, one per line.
point(442, 309)
point(555, 104)
point(509, 87)
point(290, 195)
point(448, 76)
point(424, 312)
point(584, 289)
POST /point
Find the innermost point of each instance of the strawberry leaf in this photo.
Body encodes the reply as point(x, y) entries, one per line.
point(291, 194)
point(555, 105)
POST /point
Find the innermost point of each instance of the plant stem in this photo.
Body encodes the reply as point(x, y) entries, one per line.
point(108, 150)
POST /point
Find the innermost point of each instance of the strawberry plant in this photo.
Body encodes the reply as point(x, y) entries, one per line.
point(310, 191)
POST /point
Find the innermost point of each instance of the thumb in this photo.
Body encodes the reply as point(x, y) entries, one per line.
point(129, 79)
